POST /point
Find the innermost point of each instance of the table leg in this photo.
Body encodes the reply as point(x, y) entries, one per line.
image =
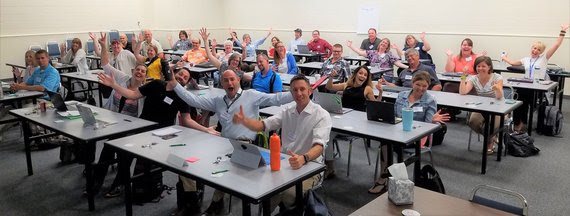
point(89, 151)
point(531, 113)
point(486, 138)
point(299, 198)
point(561, 81)
point(124, 161)
point(390, 159)
point(266, 206)
point(27, 141)
point(418, 162)
point(500, 134)
point(246, 208)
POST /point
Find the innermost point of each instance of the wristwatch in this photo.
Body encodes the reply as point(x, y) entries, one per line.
point(306, 157)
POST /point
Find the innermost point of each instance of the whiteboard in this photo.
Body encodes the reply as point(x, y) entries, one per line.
point(368, 17)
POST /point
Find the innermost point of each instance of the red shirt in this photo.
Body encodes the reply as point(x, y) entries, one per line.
point(320, 46)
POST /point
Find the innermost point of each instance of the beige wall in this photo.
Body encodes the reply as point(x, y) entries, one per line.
point(493, 25)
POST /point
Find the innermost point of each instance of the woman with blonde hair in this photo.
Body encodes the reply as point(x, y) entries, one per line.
point(31, 64)
point(76, 55)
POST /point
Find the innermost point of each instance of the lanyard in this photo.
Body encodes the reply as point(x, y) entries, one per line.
point(531, 68)
point(232, 101)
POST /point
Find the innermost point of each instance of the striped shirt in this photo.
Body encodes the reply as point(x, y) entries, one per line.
point(485, 90)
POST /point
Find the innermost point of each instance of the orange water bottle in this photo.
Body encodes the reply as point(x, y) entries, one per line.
point(275, 152)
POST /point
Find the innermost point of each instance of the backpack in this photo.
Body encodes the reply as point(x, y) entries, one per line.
point(429, 179)
point(549, 120)
point(314, 205)
point(520, 145)
point(271, 81)
point(147, 184)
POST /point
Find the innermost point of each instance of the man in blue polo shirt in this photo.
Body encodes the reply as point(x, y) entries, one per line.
point(44, 78)
point(265, 80)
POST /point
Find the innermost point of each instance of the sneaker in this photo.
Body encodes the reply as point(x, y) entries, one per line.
point(114, 192)
point(215, 208)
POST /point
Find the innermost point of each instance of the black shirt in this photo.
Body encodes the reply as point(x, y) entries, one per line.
point(161, 106)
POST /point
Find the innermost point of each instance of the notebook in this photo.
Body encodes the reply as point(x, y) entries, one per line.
point(381, 111)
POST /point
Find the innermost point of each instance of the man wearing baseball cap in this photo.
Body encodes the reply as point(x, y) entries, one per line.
point(297, 41)
point(120, 59)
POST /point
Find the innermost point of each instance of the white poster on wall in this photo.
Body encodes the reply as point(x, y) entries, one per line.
point(368, 17)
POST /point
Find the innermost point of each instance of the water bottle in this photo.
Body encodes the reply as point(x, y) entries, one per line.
point(275, 152)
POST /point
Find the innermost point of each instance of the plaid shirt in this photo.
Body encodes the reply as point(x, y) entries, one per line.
point(342, 65)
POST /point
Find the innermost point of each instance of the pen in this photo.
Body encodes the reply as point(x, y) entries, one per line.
point(174, 145)
point(221, 171)
point(128, 120)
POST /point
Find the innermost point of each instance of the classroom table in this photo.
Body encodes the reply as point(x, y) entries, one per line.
point(90, 77)
point(286, 79)
point(206, 91)
point(313, 67)
point(97, 60)
point(17, 98)
point(309, 57)
point(177, 52)
point(84, 135)
point(488, 107)
point(250, 185)
point(536, 89)
point(360, 60)
point(61, 67)
point(355, 123)
point(203, 70)
point(427, 202)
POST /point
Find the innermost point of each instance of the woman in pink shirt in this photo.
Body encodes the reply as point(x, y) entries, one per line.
point(462, 62)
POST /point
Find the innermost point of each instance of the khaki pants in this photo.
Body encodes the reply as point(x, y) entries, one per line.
point(477, 123)
point(190, 186)
point(288, 196)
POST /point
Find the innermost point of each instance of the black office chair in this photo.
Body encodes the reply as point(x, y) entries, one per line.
point(521, 210)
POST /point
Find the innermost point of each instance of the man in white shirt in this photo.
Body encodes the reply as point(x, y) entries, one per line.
point(305, 128)
point(297, 41)
point(149, 40)
point(225, 106)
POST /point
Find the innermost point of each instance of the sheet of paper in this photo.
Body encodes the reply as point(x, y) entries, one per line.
point(166, 131)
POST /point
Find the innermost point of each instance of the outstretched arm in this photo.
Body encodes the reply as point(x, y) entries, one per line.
point(252, 124)
point(510, 61)
point(110, 81)
point(426, 47)
point(215, 61)
point(450, 65)
point(356, 50)
point(103, 53)
point(137, 48)
point(96, 48)
point(552, 50)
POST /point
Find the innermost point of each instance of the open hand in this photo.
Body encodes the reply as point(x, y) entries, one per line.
point(106, 79)
point(204, 33)
point(437, 117)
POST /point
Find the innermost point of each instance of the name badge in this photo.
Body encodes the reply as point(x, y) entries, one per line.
point(468, 58)
point(318, 47)
point(537, 68)
point(382, 55)
point(417, 48)
point(38, 80)
point(371, 46)
point(418, 109)
point(408, 77)
point(167, 100)
point(330, 67)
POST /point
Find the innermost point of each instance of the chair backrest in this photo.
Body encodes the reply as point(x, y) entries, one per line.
point(129, 36)
point(52, 48)
point(90, 47)
point(113, 35)
point(522, 210)
point(35, 47)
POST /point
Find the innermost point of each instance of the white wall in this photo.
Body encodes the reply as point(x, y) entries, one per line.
point(493, 25)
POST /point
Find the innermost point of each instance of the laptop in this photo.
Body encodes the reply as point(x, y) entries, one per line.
point(522, 80)
point(89, 118)
point(452, 74)
point(303, 49)
point(57, 101)
point(330, 102)
point(261, 51)
point(247, 155)
point(381, 111)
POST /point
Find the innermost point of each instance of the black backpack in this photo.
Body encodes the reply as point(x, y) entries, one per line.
point(520, 145)
point(147, 184)
point(271, 81)
point(438, 136)
point(429, 179)
point(549, 120)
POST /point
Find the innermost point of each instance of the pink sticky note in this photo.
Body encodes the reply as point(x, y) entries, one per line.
point(192, 159)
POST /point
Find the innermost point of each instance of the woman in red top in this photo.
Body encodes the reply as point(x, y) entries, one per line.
point(463, 62)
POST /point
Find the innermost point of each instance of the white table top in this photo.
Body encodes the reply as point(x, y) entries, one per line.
point(20, 95)
point(90, 76)
point(532, 86)
point(256, 184)
point(319, 65)
point(207, 92)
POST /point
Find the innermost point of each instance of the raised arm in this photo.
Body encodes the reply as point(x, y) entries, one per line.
point(426, 46)
point(104, 52)
point(169, 38)
point(398, 50)
point(510, 61)
point(213, 48)
point(558, 42)
point(332, 86)
point(215, 61)
point(187, 121)
point(450, 65)
point(400, 64)
point(356, 50)
point(137, 48)
point(110, 81)
point(96, 47)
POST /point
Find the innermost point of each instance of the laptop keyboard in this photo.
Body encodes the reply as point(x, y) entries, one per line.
point(524, 80)
point(452, 74)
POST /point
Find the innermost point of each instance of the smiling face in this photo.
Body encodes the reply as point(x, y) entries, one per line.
point(139, 73)
point(420, 87)
point(182, 36)
point(410, 41)
point(371, 34)
point(274, 41)
point(75, 45)
point(247, 39)
point(116, 47)
point(413, 59)
point(148, 36)
point(183, 77)
point(195, 44)
point(482, 68)
point(230, 83)
point(281, 49)
point(297, 35)
point(316, 35)
point(150, 52)
point(337, 53)
point(360, 77)
point(384, 45)
point(42, 59)
point(123, 39)
point(301, 91)
point(228, 48)
point(29, 58)
point(466, 47)
point(262, 63)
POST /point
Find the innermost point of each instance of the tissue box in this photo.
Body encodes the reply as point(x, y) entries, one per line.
point(400, 192)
